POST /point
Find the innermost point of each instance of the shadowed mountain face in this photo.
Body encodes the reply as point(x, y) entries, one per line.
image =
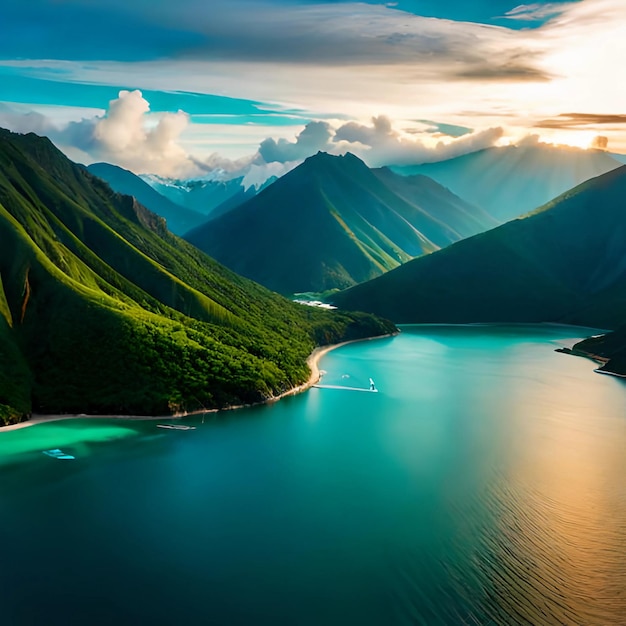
point(102, 310)
point(610, 348)
point(179, 219)
point(566, 263)
point(510, 181)
point(332, 222)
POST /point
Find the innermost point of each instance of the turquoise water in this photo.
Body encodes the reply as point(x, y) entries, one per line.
point(484, 484)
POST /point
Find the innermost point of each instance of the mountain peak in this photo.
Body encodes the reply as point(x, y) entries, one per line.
point(327, 157)
point(332, 222)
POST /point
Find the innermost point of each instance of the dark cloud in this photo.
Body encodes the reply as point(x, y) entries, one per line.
point(509, 72)
point(330, 34)
point(576, 120)
point(441, 129)
point(49, 29)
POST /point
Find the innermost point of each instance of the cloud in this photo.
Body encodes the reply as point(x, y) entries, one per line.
point(439, 129)
point(128, 135)
point(259, 173)
point(379, 133)
point(20, 121)
point(577, 120)
point(600, 142)
point(314, 137)
point(124, 136)
point(529, 140)
point(536, 12)
point(381, 144)
point(218, 166)
point(512, 70)
point(353, 34)
point(356, 59)
point(331, 34)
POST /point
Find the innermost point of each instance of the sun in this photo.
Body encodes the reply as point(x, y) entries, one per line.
point(583, 139)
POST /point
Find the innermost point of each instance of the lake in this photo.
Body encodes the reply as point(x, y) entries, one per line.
point(485, 483)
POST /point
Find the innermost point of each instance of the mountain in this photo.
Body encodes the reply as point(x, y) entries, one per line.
point(565, 263)
point(510, 181)
point(333, 222)
point(179, 219)
point(610, 349)
point(103, 310)
point(452, 217)
point(202, 196)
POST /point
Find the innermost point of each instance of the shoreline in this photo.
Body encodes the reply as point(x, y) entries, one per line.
point(596, 358)
point(312, 361)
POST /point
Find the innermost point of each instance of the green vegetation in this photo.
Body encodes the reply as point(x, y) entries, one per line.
point(102, 310)
point(333, 222)
point(565, 263)
point(179, 219)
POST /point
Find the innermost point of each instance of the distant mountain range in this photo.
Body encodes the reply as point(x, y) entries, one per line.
point(203, 196)
point(333, 222)
point(565, 263)
point(103, 310)
point(179, 219)
point(510, 181)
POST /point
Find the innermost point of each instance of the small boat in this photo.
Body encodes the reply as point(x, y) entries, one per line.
point(372, 386)
point(58, 454)
point(176, 426)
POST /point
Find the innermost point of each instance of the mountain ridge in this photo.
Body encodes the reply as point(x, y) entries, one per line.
point(333, 222)
point(510, 181)
point(561, 264)
point(179, 219)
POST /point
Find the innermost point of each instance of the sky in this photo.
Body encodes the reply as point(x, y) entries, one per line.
point(223, 87)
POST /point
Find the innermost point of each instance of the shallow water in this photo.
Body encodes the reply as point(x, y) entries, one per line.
point(484, 484)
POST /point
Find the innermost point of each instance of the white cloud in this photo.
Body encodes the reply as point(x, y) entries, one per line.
point(381, 144)
point(258, 173)
point(534, 12)
point(24, 122)
point(126, 135)
point(314, 137)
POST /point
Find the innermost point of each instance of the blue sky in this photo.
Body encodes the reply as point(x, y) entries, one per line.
point(420, 79)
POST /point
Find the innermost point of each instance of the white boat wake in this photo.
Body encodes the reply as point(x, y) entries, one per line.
point(371, 388)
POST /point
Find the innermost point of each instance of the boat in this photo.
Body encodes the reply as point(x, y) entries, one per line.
point(176, 426)
point(59, 454)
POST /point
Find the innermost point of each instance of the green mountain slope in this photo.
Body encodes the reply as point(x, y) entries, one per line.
point(102, 310)
point(332, 222)
point(565, 263)
point(510, 181)
point(179, 219)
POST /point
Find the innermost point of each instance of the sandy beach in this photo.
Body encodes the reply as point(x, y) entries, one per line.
point(312, 362)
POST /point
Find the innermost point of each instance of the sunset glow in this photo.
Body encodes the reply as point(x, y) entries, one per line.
point(220, 84)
